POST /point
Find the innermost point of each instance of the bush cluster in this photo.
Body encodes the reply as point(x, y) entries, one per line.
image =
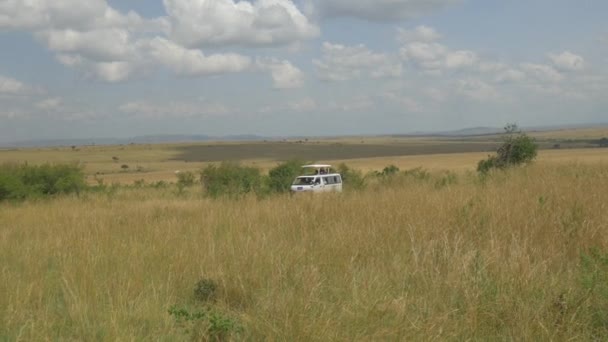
point(517, 149)
point(18, 182)
point(231, 179)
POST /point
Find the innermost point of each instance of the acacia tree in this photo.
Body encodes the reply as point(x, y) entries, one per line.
point(517, 148)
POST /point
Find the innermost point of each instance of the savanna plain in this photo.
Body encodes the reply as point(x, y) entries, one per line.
point(434, 252)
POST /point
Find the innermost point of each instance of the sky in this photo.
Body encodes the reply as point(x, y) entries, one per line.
point(124, 68)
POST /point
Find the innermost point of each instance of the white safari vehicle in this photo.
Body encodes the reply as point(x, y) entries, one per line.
point(317, 178)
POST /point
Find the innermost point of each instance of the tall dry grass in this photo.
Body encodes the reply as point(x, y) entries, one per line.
point(408, 259)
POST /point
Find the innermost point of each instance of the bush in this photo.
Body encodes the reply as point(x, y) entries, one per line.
point(352, 179)
point(25, 181)
point(281, 177)
point(517, 149)
point(185, 179)
point(230, 179)
point(390, 170)
point(205, 289)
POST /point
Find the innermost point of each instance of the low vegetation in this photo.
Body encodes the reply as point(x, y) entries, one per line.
point(517, 148)
point(413, 255)
point(18, 182)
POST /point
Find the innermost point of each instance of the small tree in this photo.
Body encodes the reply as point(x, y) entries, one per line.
point(603, 142)
point(517, 149)
point(281, 176)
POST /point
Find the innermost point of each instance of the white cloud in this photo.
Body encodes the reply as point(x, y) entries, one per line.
point(38, 14)
point(510, 75)
point(460, 59)
point(380, 10)
point(419, 34)
point(48, 104)
point(199, 23)
point(478, 90)
point(113, 72)
point(192, 62)
point(101, 45)
point(11, 86)
point(284, 74)
point(183, 110)
point(542, 72)
point(406, 102)
point(567, 61)
point(420, 48)
point(343, 63)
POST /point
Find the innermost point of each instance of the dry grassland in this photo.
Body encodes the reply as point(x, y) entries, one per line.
point(413, 259)
point(153, 163)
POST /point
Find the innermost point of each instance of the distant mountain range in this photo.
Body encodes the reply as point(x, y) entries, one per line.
point(177, 138)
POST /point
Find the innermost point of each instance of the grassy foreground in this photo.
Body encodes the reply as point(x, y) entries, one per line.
point(522, 255)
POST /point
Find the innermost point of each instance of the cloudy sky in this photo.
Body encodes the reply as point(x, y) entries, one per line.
point(122, 68)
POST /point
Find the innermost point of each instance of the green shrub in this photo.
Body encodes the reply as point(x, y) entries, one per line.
point(517, 149)
point(390, 170)
point(281, 177)
point(230, 179)
point(204, 290)
point(206, 324)
point(352, 179)
point(186, 178)
point(25, 181)
point(417, 173)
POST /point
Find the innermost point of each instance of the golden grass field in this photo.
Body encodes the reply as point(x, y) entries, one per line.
point(449, 257)
point(153, 163)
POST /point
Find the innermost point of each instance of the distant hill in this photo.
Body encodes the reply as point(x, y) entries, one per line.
point(146, 139)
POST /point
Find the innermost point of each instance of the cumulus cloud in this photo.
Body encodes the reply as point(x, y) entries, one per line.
point(200, 23)
point(343, 63)
point(107, 45)
point(380, 10)
point(542, 72)
point(284, 74)
point(102, 45)
point(436, 57)
point(419, 34)
point(192, 62)
point(567, 61)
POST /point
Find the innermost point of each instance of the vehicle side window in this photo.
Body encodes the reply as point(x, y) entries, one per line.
point(339, 179)
point(326, 180)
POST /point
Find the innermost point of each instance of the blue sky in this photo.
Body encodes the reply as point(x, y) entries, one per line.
point(123, 68)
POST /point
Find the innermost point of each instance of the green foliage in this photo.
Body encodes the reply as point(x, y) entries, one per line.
point(603, 142)
point(185, 178)
point(230, 179)
point(417, 173)
point(24, 181)
point(390, 170)
point(594, 281)
point(446, 179)
point(352, 179)
point(517, 149)
point(206, 323)
point(205, 290)
point(281, 176)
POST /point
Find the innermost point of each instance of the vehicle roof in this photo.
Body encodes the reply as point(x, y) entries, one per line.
point(316, 166)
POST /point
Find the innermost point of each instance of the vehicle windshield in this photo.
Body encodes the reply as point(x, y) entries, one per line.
point(304, 181)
